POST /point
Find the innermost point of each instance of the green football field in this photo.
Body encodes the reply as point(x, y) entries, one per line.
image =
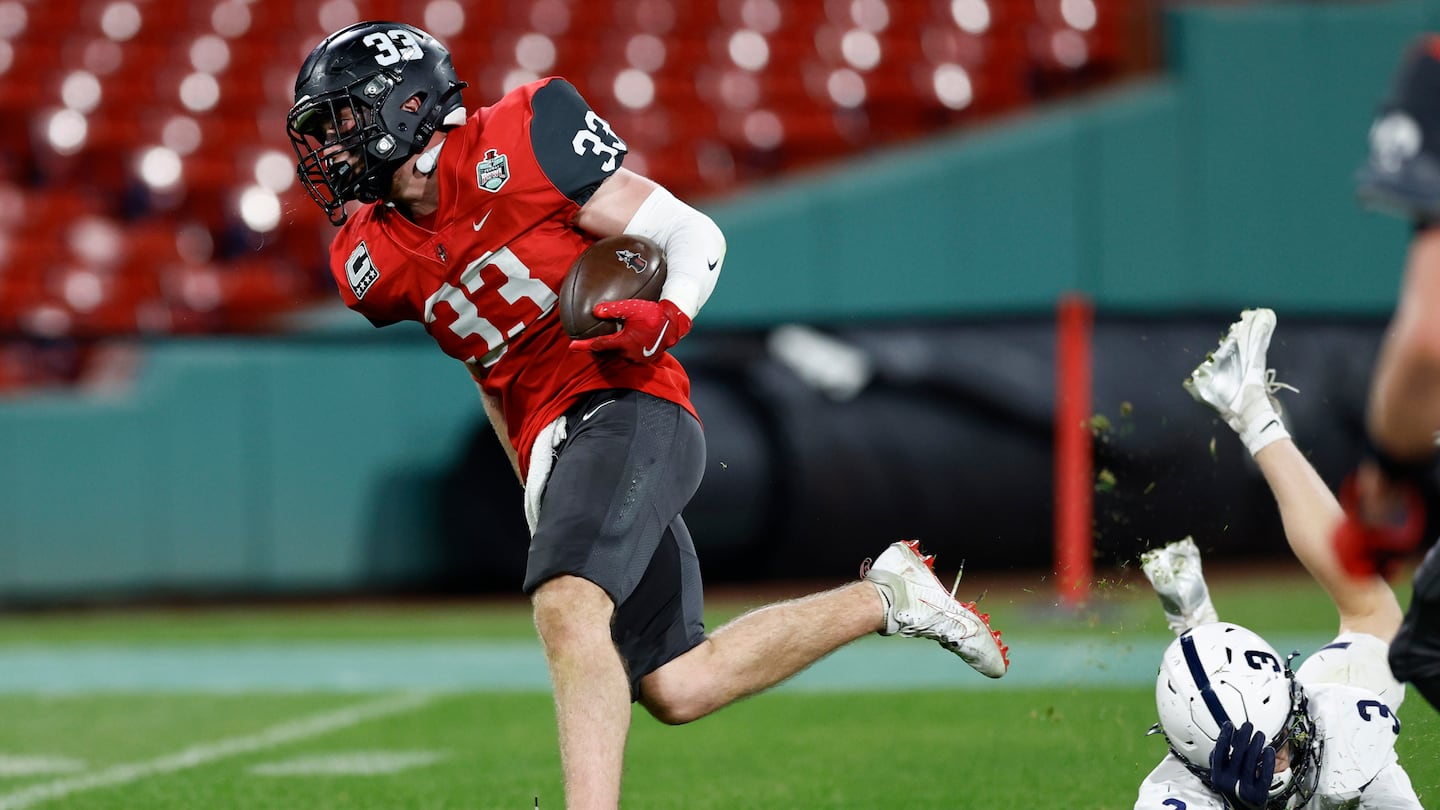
point(446, 706)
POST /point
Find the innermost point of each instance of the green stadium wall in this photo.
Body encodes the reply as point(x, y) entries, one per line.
point(1223, 183)
point(286, 466)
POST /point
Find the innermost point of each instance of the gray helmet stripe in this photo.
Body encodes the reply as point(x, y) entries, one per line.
point(1202, 680)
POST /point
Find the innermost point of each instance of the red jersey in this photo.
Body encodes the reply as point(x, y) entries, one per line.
point(483, 276)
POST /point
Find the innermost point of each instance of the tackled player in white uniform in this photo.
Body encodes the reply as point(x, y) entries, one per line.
point(1245, 731)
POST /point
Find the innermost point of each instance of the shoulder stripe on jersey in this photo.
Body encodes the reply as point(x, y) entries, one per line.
point(575, 147)
point(1339, 645)
point(1202, 680)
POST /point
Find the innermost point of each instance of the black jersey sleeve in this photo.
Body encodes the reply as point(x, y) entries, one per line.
point(575, 147)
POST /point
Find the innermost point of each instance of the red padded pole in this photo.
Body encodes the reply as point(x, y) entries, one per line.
point(1074, 463)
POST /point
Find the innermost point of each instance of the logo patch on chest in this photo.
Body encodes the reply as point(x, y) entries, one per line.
point(492, 172)
point(360, 271)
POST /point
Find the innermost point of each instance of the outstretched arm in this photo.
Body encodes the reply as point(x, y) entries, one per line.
point(1235, 382)
point(1310, 513)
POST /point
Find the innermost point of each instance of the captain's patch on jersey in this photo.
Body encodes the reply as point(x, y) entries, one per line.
point(360, 271)
point(492, 172)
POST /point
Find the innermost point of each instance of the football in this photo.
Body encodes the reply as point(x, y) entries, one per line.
point(613, 269)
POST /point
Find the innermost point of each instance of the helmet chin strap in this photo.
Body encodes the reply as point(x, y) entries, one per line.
point(428, 159)
point(431, 157)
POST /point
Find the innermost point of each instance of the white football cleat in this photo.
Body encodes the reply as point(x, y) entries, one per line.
point(1174, 571)
point(1235, 382)
point(916, 604)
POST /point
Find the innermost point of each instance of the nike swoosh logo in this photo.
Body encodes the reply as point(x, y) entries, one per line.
point(658, 338)
point(713, 264)
point(586, 416)
point(478, 225)
point(1268, 424)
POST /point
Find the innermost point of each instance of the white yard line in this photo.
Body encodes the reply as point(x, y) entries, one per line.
point(353, 763)
point(194, 756)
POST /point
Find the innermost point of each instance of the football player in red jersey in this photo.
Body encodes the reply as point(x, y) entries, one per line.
point(467, 223)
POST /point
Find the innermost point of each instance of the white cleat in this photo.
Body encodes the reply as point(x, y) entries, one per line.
point(916, 604)
point(1234, 381)
point(1174, 571)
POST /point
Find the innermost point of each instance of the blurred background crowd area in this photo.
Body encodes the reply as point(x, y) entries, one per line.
point(925, 202)
point(147, 186)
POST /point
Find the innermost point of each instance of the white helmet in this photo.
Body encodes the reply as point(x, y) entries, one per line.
point(1220, 671)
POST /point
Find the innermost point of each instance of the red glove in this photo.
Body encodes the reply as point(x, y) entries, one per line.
point(648, 328)
point(1373, 536)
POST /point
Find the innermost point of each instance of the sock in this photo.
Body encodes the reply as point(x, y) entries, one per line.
point(1262, 429)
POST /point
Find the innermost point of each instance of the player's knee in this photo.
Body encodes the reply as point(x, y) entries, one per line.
point(674, 700)
point(568, 608)
point(1419, 667)
point(1415, 652)
point(671, 714)
point(1414, 663)
point(675, 710)
point(1429, 688)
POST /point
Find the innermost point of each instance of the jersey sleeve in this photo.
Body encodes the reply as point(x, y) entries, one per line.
point(575, 147)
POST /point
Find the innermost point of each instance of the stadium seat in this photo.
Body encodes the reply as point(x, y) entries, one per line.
point(710, 127)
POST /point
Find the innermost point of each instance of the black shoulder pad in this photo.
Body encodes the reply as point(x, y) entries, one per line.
point(574, 146)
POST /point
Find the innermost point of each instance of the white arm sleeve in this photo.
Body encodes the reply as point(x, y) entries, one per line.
point(694, 248)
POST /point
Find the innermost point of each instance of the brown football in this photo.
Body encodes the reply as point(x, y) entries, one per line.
point(612, 269)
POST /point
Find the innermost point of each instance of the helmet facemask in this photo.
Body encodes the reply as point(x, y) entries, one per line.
point(1302, 777)
point(344, 150)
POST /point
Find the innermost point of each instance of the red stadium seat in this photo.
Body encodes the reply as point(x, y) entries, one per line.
point(710, 127)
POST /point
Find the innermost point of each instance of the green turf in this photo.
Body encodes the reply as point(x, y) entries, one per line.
point(999, 749)
point(980, 747)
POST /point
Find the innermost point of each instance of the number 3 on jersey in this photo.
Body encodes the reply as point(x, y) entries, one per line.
point(598, 140)
point(1380, 709)
point(467, 301)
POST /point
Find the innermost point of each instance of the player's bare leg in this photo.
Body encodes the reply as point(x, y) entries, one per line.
point(1235, 380)
point(592, 691)
point(901, 596)
point(1310, 513)
point(760, 649)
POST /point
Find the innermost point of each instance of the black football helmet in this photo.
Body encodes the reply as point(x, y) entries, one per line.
point(367, 98)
